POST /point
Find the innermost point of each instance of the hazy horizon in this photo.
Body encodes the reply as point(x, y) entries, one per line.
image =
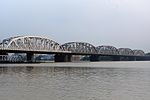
point(120, 23)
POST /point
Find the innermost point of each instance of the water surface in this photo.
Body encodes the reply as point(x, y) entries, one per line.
point(74, 83)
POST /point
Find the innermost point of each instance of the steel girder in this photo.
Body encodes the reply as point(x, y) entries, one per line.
point(79, 47)
point(107, 50)
point(30, 43)
point(125, 51)
point(41, 43)
point(17, 58)
point(138, 53)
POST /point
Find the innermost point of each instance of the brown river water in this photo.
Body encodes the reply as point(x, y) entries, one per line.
point(76, 83)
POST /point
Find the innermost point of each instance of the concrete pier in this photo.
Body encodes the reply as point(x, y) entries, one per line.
point(30, 57)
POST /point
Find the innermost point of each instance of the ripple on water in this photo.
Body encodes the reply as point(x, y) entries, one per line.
point(50, 83)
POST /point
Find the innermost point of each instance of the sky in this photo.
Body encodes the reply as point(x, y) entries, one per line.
point(119, 23)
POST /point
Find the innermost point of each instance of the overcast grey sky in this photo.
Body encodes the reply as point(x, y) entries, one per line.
point(121, 23)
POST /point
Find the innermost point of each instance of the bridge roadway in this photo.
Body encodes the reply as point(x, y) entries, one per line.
point(65, 56)
point(63, 53)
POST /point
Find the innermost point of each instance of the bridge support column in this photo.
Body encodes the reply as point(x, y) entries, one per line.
point(63, 58)
point(94, 58)
point(135, 58)
point(30, 57)
point(76, 58)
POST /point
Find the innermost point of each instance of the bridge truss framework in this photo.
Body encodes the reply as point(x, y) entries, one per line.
point(39, 44)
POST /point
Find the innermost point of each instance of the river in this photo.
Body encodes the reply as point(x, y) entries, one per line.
point(75, 81)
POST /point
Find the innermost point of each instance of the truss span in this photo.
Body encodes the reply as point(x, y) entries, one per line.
point(138, 53)
point(125, 51)
point(79, 47)
point(30, 43)
point(44, 45)
point(107, 50)
point(17, 58)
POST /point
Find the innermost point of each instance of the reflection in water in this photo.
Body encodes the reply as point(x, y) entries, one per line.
point(74, 83)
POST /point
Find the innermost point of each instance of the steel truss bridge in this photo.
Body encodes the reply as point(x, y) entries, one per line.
point(40, 45)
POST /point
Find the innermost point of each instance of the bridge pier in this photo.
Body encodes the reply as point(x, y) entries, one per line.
point(63, 58)
point(76, 58)
point(30, 57)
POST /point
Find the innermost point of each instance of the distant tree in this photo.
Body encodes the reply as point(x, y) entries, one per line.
point(148, 54)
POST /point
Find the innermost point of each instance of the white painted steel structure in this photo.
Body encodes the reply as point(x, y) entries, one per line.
point(30, 43)
point(42, 44)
